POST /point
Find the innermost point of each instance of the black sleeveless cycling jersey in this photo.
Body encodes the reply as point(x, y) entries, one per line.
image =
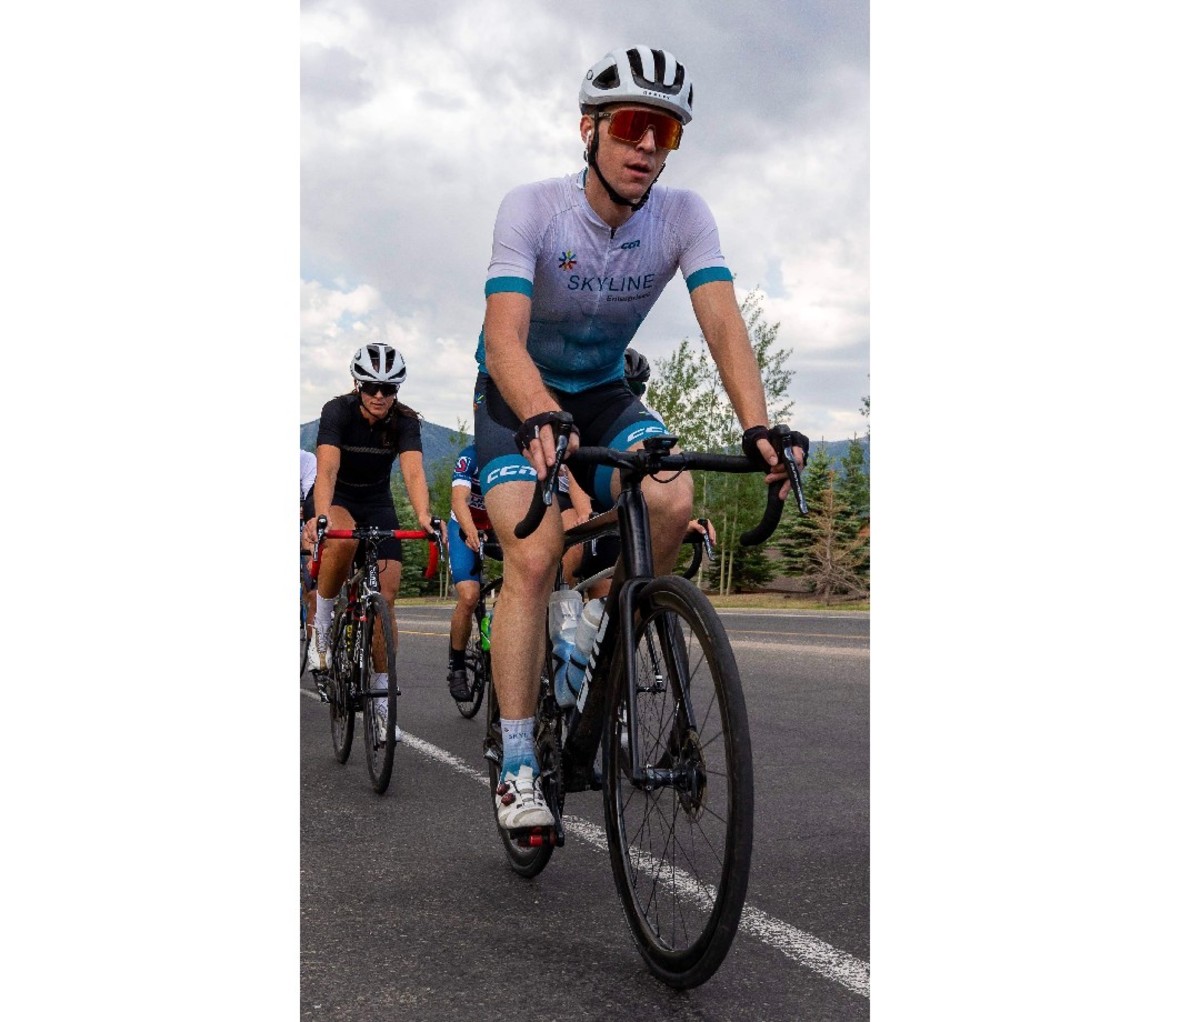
point(366, 464)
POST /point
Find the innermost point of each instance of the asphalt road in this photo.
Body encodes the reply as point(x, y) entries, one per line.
point(409, 909)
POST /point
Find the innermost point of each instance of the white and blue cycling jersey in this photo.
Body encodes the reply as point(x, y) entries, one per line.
point(592, 285)
point(466, 474)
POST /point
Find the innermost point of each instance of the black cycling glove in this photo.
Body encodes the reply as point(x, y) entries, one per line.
point(779, 437)
point(562, 422)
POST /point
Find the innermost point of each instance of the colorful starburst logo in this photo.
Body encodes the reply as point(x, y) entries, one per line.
point(566, 261)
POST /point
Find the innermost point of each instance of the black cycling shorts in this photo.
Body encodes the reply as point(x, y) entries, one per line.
point(609, 415)
point(382, 516)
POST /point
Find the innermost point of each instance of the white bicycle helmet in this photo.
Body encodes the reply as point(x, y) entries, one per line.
point(639, 75)
point(378, 363)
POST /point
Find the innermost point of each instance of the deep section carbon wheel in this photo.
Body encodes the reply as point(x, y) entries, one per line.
point(528, 862)
point(680, 829)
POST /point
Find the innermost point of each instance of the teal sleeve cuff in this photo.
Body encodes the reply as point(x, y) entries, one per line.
point(500, 284)
point(708, 276)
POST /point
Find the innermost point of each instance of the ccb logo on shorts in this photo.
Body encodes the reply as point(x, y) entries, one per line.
point(645, 431)
point(522, 471)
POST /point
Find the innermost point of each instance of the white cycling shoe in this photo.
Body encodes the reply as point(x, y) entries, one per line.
point(520, 803)
point(381, 728)
point(318, 655)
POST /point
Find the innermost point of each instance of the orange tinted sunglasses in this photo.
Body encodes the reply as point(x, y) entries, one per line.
point(630, 125)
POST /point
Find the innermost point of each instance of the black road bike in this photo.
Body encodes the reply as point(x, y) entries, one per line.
point(659, 726)
point(362, 641)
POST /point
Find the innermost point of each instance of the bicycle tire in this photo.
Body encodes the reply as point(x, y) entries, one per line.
point(380, 753)
point(526, 862)
point(680, 853)
point(479, 666)
point(305, 635)
point(339, 686)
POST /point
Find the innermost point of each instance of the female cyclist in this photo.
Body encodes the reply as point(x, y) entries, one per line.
point(359, 438)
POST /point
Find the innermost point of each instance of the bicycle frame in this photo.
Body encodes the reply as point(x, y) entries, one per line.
point(363, 581)
point(585, 721)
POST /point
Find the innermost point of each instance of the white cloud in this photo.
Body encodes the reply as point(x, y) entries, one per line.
point(413, 128)
point(334, 323)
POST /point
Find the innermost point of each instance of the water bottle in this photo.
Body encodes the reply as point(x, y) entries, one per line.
point(565, 608)
point(585, 638)
point(485, 632)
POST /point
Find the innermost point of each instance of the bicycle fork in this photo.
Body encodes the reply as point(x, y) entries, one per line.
point(681, 765)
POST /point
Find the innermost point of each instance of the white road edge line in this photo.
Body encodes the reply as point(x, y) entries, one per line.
point(801, 947)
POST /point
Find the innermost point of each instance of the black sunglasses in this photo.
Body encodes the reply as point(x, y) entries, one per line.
point(375, 389)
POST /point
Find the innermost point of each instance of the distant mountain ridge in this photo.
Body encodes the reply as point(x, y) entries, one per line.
point(440, 445)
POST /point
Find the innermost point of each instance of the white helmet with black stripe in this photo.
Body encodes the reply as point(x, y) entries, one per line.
point(378, 363)
point(639, 75)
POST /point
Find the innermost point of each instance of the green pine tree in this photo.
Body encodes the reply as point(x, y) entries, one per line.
point(854, 490)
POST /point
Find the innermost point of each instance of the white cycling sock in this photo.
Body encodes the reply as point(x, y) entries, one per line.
point(324, 618)
point(379, 684)
point(518, 745)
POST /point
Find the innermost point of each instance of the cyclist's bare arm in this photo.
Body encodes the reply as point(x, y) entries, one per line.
point(720, 319)
point(505, 332)
point(462, 511)
point(412, 468)
point(581, 503)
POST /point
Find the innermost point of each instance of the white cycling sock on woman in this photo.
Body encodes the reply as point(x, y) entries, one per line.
point(379, 684)
point(324, 618)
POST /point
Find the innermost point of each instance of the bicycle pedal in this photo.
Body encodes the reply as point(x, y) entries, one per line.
point(536, 837)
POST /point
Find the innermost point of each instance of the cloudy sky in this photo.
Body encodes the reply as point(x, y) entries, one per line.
point(416, 119)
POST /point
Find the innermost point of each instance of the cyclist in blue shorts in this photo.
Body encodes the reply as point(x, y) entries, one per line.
point(598, 554)
point(468, 518)
point(577, 262)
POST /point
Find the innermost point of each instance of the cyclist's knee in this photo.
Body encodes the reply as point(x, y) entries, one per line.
point(671, 504)
point(531, 566)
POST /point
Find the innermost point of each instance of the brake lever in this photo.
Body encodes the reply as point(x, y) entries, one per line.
point(794, 470)
point(551, 483)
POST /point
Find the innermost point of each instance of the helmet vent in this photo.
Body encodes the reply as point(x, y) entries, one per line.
point(658, 82)
point(608, 79)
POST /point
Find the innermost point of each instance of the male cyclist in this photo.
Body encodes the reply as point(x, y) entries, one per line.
point(359, 437)
point(577, 262)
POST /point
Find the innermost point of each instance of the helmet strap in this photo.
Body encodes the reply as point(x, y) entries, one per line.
point(619, 200)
